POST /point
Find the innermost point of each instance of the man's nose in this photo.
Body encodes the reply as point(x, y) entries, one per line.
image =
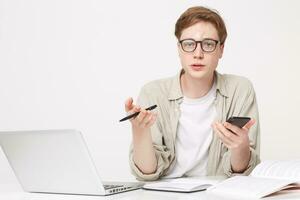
point(198, 53)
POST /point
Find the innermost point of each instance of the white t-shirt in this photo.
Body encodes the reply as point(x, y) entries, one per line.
point(194, 135)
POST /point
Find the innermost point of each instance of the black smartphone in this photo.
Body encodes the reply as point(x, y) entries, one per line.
point(238, 121)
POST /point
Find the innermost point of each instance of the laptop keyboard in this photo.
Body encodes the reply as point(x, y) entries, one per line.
point(116, 188)
point(107, 187)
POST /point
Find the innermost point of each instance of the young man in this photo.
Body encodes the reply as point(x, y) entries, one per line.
point(188, 134)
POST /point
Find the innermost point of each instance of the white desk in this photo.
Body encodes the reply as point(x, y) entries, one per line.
point(15, 192)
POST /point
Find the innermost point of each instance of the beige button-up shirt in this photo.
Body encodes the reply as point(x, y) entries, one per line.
point(235, 97)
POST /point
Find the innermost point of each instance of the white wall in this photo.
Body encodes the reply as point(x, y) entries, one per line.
point(71, 64)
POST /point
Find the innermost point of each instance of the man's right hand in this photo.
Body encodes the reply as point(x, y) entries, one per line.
point(143, 150)
point(145, 118)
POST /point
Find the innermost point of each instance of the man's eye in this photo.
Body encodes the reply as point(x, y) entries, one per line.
point(189, 44)
point(208, 44)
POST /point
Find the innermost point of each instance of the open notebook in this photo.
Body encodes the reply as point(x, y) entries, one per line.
point(267, 178)
point(191, 184)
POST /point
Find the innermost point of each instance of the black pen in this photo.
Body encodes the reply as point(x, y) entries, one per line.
point(135, 114)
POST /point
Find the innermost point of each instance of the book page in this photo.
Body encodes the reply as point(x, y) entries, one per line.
point(280, 169)
point(184, 184)
point(251, 187)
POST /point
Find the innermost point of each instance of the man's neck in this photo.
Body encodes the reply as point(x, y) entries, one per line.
point(195, 88)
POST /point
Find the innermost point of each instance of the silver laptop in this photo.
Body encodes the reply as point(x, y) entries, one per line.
point(56, 161)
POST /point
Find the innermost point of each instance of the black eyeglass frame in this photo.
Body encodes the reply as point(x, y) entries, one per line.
point(216, 41)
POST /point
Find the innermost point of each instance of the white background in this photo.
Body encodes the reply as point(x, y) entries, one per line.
point(72, 64)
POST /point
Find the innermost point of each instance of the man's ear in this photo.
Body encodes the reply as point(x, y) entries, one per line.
point(221, 50)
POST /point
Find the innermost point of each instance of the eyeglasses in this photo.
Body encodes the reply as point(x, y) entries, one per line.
point(207, 45)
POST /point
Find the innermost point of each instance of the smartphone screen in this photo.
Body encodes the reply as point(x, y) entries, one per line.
point(239, 121)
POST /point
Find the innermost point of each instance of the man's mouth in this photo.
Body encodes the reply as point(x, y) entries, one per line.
point(197, 67)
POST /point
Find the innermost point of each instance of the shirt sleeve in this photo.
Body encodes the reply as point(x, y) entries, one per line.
point(250, 109)
point(162, 153)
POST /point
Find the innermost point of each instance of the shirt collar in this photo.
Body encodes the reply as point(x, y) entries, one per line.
point(221, 84)
point(176, 93)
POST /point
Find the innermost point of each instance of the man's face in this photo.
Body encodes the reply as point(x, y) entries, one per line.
point(199, 64)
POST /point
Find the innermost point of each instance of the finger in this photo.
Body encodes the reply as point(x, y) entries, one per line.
point(151, 120)
point(249, 124)
point(141, 116)
point(222, 137)
point(148, 117)
point(235, 129)
point(129, 104)
point(228, 134)
point(135, 109)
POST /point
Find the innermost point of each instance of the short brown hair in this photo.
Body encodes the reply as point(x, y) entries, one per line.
point(197, 14)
